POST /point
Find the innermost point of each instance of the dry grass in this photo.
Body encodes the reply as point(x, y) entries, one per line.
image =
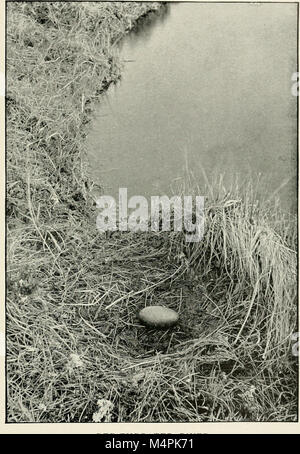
point(73, 337)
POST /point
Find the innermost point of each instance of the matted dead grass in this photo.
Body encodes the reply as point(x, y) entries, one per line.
point(76, 351)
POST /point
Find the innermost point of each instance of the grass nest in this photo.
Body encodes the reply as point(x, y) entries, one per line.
point(76, 351)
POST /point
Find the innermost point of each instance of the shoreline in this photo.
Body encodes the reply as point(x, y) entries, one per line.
point(72, 296)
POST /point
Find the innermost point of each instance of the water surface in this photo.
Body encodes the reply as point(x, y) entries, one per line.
point(205, 87)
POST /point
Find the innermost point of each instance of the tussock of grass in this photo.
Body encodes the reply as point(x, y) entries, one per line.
point(254, 245)
point(73, 337)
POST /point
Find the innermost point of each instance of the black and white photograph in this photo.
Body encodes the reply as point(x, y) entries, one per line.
point(151, 239)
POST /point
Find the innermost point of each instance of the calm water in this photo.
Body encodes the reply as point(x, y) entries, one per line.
point(204, 86)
